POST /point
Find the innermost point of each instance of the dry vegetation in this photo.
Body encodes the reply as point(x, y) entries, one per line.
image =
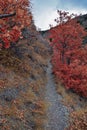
point(22, 81)
point(77, 106)
point(78, 120)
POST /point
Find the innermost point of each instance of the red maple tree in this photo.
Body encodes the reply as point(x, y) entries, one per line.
point(10, 27)
point(69, 55)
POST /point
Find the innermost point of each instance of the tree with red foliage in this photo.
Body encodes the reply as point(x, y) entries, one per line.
point(10, 27)
point(69, 55)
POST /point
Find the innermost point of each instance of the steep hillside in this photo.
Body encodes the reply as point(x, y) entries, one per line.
point(22, 80)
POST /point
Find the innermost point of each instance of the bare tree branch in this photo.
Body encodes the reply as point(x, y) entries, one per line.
point(7, 15)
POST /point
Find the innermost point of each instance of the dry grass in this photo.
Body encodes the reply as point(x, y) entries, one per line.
point(8, 59)
point(11, 61)
point(77, 106)
point(40, 114)
point(69, 97)
point(38, 86)
point(42, 49)
point(27, 107)
point(22, 69)
point(39, 59)
point(78, 120)
point(28, 96)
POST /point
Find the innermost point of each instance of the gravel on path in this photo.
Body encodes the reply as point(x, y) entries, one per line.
point(57, 113)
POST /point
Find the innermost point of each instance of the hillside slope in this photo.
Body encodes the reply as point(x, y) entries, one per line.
point(22, 80)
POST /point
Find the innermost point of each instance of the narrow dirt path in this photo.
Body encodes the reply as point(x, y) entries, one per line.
point(57, 113)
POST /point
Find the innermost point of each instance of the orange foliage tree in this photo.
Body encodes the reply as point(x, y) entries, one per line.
point(10, 27)
point(69, 55)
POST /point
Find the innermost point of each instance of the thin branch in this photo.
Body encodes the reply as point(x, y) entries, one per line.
point(7, 15)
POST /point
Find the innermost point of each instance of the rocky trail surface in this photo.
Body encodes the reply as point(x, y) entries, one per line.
point(57, 113)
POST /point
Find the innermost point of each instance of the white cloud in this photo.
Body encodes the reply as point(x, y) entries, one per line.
point(45, 18)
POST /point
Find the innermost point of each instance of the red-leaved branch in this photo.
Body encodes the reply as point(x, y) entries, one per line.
point(14, 16)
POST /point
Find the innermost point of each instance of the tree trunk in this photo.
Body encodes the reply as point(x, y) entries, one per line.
point(7, 15)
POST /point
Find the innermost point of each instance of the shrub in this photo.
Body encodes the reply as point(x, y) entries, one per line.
point(69, 55)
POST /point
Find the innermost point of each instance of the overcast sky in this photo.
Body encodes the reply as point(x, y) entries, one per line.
point(45, 11)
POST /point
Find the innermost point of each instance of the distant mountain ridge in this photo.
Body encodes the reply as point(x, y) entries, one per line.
point(81, 19)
